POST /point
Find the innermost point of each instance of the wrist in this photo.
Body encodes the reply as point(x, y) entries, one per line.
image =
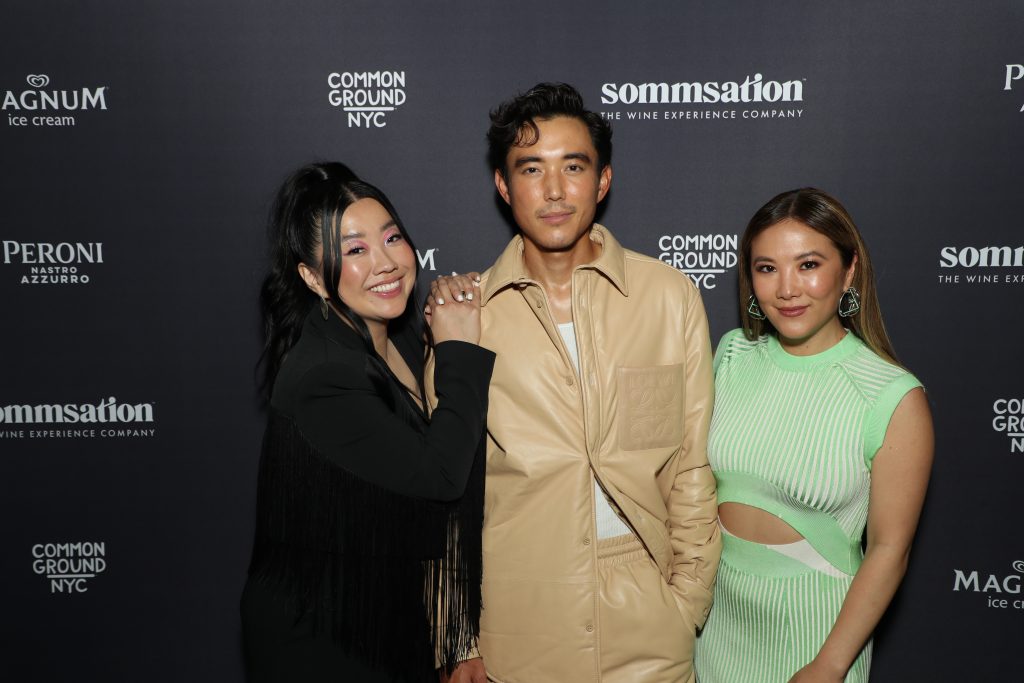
point(830, 665)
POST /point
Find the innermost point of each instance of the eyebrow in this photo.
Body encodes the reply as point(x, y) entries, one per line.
point(581, 156)
point(359, 235)
point(798, 257)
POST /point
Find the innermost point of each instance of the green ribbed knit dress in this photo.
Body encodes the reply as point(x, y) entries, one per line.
point(795, 436)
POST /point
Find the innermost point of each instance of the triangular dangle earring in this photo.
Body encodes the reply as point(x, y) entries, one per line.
point(754, 309)
point(324, 310)
point(849, 303)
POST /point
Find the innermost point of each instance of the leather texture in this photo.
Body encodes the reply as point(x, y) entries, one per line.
point(636, 418)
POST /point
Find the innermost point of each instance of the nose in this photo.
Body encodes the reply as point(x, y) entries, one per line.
point(553, 189)
point(788, 285)
point(383, 263)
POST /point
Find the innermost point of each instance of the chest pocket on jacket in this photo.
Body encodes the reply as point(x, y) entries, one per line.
point(650, 407)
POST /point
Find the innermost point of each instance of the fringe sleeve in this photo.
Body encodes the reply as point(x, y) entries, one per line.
point(395, 579)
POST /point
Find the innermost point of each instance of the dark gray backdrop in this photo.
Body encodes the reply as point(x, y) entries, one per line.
point(197, 110)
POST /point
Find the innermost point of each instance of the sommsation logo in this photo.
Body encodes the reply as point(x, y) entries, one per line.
point(366, 97)
point(41, 106)
point(105, 419)
point(981, 265)
point(754, 97)
point(1000, 590)
point(52, 263)
point(702, 257)
point(69, 566)
point(1014, 73)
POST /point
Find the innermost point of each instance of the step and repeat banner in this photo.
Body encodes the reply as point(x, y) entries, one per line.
point(142, 143)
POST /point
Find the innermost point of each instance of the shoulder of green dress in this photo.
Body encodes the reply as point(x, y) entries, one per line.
point(875, 376)
point(734, 344)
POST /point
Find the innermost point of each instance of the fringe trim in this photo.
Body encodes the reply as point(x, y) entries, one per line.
point(395, 579)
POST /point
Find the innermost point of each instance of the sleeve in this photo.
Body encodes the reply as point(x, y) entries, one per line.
point(877, 421)
point(692, 505)
point(723, 352)
point(344, 419)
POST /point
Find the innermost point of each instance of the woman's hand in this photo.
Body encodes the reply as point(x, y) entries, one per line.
point(453, 308)
point(817, 673)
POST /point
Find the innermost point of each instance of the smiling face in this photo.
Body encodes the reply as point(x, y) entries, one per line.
point(798, 277)
point(378, 267)
point(553, 186)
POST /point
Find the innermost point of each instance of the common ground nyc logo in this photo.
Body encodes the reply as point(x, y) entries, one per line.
point(41, 106)
point(753, 97)
point(1015, 73)
point(69, 566)
point(1000, 590)
point(105, 419)
point(702, 257)
point(1008, 420)
point(981, 264)
point(366, 97)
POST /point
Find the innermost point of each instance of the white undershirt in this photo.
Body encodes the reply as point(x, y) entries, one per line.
point(608, 522)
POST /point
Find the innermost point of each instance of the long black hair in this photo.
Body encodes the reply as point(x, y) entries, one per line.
point(305, 216)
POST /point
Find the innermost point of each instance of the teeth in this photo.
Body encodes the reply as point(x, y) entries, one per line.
point(383, 289)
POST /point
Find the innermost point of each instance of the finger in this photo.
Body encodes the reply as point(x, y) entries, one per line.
point(435, 293)
point(474, 276)
point(463, 285)
point(446, 287)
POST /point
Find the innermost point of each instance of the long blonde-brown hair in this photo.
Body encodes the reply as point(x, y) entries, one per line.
point(824, 214)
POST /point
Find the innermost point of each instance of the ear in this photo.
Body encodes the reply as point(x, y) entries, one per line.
point(850, 273)
point(312, 280)
point(502, 185)
point(604, 182)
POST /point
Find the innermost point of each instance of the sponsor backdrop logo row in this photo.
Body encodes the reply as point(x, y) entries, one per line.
point(52, 263)
point(703, 257)
point(69, 566)
point(1014, 73)
point(39, 105)
point(366, 97)
point(981, 264)
point(1008, 419)
point(754, 97)
point(108, 418)
point(998, 590)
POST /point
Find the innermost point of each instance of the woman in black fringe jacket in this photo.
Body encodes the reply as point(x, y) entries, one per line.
point(366, 561)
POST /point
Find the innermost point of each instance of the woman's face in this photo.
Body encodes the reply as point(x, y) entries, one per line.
point(798, 278)
point(378, 266)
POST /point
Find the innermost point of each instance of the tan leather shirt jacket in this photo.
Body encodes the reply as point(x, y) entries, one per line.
point(635, 417)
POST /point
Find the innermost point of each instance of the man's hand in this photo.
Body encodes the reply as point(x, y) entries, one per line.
point(469, 671)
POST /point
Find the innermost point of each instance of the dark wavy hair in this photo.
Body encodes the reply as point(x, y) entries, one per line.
point(306, 215)
point(822, 213)
point(512, 123)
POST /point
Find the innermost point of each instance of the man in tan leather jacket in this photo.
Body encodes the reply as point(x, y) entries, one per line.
point(600, 525)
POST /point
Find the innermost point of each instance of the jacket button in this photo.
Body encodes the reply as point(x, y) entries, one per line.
point(539, 303)
point(568, 380)
point(586, 541)
point(590, 627)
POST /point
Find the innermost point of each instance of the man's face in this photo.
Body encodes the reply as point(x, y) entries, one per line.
point(554, 185)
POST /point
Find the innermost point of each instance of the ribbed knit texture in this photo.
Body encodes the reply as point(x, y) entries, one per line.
point(795, 436)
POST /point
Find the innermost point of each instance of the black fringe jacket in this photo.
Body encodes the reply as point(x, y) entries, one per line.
point(367, 524)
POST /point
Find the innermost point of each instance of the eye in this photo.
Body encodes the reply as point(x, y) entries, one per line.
point(354, 251)
point(764, 268)
point(808, 265)
point(574, 168)
point(396, 237)
point(531, 170)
